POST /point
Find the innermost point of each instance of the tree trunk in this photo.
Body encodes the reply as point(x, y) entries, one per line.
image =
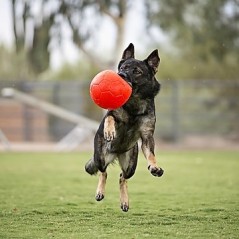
point(18, 37)
point(39, 56)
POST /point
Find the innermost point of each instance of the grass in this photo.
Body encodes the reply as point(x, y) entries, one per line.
point(48, 195)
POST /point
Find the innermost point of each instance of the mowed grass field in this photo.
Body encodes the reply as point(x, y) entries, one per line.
point(48, 195)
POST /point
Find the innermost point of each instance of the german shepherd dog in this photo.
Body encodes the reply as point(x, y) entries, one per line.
point(122, 128)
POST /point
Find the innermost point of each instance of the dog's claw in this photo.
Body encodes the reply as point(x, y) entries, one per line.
point(124, 207)
point(109, 135)
point(157, 172)
point(99, 196)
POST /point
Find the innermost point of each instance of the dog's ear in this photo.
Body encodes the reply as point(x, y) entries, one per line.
point(128, 52)
point(153, 60)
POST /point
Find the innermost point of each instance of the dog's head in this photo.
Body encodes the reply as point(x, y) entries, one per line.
point(140, 74)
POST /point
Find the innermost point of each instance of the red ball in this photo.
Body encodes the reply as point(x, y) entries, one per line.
point(109, 91)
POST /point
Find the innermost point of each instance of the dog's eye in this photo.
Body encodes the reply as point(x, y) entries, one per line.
point(137, 71)
point(124, 67)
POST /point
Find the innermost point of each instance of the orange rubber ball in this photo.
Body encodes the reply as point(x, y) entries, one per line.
point(109, 91)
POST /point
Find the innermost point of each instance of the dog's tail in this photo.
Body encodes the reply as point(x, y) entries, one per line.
point(90, 167)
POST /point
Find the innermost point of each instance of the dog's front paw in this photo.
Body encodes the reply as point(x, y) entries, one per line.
point(109, 134)
point(109, 128)
point(155, 171)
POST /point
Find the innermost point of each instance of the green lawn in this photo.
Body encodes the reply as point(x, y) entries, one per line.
point(48, 195)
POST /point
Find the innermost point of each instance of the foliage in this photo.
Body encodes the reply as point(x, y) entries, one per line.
point(204, 34)
point(78, 16)
point(48, 195)
point(14, 67)
point(32, 32)
point(50, 22)
point(79, 71)
point(205, 28)
point(186, 67)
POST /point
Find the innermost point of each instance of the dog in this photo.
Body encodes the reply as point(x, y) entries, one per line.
point(122, 128)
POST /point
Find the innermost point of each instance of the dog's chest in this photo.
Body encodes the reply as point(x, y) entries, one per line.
point(136, 106)
point(127, 135)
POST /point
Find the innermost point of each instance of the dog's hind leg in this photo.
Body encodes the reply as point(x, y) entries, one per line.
point(124, 198)
point(128, 164)
point(100, 191)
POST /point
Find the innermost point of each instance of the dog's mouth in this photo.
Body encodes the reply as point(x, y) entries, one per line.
point(125, 77)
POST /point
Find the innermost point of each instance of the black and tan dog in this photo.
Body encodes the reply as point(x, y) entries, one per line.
point(120, 130)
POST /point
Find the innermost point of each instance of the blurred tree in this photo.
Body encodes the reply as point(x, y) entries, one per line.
point(203, 28)
point(82, 17)
point(207, 36)
point(204, 31)
point(14, 66)
point(31, 32)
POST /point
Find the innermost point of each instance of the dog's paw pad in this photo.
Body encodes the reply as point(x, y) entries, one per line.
point(99, 196)
point(157, 172)
point(124, 207)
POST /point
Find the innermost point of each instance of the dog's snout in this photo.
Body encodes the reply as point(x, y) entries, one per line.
point(122, 74)
point(125, 77)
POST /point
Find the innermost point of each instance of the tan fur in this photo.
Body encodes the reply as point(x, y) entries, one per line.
point(109, 128)
point(101, 184)
point(124, 199)
point(149, 156)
